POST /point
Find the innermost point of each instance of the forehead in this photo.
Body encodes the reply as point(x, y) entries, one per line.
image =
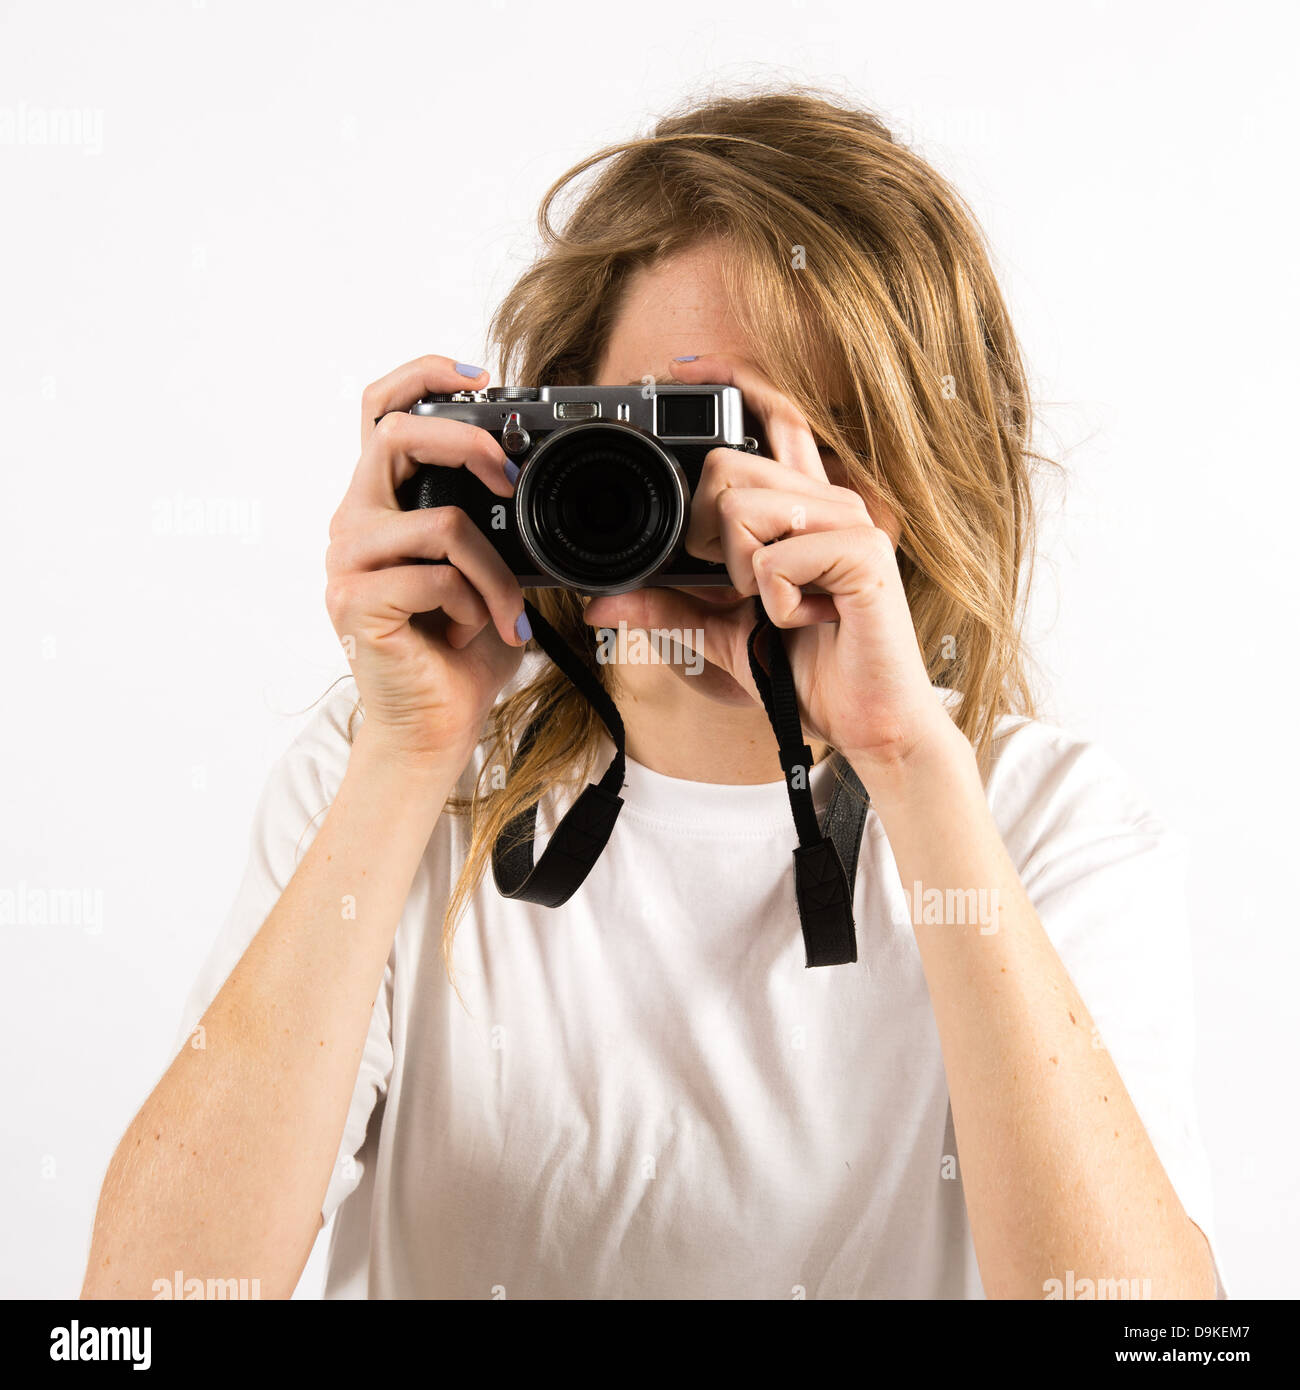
point(677, 305)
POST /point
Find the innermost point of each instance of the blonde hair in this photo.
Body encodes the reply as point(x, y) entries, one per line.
point(860, 278)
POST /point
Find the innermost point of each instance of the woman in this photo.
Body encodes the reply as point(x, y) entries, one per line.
point(644, 1092)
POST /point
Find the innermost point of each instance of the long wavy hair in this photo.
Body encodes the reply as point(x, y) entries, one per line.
point(860, 278)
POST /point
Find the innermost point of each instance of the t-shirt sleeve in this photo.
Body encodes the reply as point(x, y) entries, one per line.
point(1109, 882)
point(297, 793)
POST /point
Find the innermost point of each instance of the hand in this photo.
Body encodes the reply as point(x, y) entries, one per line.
point(427, 681)
point(779, 524)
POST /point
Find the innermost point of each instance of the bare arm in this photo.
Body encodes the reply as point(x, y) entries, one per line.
point(223, 1171)
point(1057, 1169)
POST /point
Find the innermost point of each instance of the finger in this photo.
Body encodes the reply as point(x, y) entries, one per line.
point(851, 566)
point(378, 603)
point(400, 441)
point(788, 434)
point(467, 615)
point(745, 519)
point(388, 539)
point(718, 634)
point(400, 389)
point(726, 470)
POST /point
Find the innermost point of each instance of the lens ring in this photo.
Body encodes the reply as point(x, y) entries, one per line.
point(599, 510)
point(601, 506)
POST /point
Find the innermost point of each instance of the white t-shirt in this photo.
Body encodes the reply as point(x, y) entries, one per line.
point(646, 1094)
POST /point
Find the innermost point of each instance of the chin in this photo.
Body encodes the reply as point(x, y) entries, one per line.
point(714, 684)
point(720, 595)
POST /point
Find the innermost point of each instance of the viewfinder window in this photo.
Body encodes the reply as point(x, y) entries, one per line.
point(685, 417)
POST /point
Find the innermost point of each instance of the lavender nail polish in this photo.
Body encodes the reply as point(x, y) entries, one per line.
point(695, 358)
point(466, 370)
point(523, 627)
point(512, 470)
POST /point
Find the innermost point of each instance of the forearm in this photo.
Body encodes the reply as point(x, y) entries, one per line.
point(1057, 1169)
point(223, 1171)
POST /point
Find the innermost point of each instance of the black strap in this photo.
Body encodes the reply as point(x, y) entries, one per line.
point(822, 888)
point(824, 864)
point(846, 816)
point(584, 830)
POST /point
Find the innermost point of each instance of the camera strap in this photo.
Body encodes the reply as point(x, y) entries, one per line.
point(822, 879)
point(584, 830)
point(824, 864)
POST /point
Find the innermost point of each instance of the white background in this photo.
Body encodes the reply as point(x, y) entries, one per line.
point(266, 206)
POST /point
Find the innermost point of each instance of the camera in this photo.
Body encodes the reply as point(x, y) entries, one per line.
point(606, 475)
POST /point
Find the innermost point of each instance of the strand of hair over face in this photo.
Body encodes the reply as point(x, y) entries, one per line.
point(866, 290)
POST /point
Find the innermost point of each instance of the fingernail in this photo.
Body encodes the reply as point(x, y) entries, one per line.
point(694, 358)
point(512, 470)
point(466, 370)
point(523, 627)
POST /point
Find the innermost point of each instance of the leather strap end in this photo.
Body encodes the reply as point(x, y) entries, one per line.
point(825, 905)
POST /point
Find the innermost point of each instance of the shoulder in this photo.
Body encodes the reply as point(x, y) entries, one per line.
point(316, 758)
point(1107, 875)
point(1061, 799)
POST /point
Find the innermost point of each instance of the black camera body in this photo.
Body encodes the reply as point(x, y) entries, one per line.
point(606, 476)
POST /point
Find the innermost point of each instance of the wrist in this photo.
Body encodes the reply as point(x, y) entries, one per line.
point(935, 761)
point(380, 753)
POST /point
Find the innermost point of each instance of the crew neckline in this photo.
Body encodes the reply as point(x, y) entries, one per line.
point(717, 807)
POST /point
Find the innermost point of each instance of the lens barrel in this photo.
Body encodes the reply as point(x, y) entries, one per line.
point(601, 507)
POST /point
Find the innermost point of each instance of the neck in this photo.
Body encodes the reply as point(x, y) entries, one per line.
point(699, 729)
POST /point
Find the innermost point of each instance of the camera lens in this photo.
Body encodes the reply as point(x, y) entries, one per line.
point(601, 507)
